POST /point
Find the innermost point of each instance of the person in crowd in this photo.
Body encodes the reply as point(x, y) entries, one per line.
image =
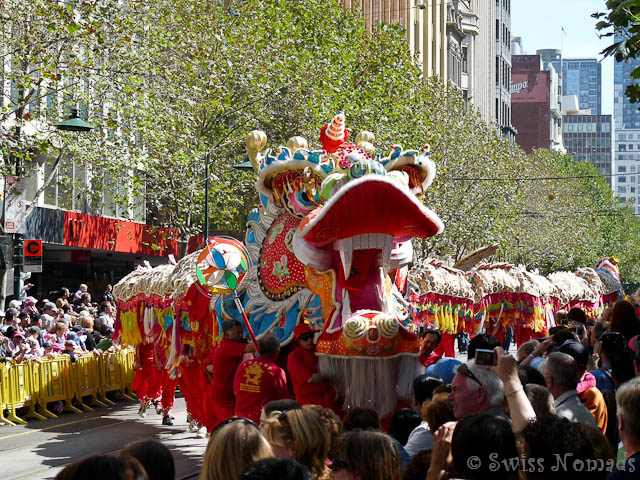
point(556, 448)
point(148, 378)
point(259, 381)
point(106, 317)
point(361, 418)
point(438, 412)
point(540, 398)
point(276, 469)
point(610, 346)
point(476, 389)
point(59, 333)
point(155, 458)
point(528, 374)
point(628, 403)
point(526, 349)
point(561, 318)
point(589, 395)
point(420, 438)
point(623, 319)
point(77, 296)
point(18, 348)
point(85, 301)
point(403, 422)
point(483, 341)
point(282, 405)
point(225, 360)
point(233, 446)
point(63, 300)
point(430, 338)
point(29, 305)
point(107, 342)
point(301, 435)
point(107, 296)
point(366, 455)
point(70, 349)
point(103, 467)
point(445, 369)
point(46, 322)
point(50, 309)
point(10, 319)
point(86, 323)
point(332, 422)
point(418, 466)
point(309, 387)
point(483, 436)
point(24, 319)
point(601, 447)
point(634, 346)
point(561, 375)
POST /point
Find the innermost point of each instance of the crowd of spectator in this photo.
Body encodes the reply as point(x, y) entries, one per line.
point(567, 407)
point(63, 324)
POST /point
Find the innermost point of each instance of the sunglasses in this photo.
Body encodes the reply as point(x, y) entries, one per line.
point(231, 420)
point(305, 337)
point(463, 369)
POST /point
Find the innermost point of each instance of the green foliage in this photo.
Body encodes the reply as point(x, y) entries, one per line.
point(622, 22)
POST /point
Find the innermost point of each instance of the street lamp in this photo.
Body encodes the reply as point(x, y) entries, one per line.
point(72, 124)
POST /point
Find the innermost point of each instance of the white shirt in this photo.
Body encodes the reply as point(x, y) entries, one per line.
point(419, 439)
point(569, 406)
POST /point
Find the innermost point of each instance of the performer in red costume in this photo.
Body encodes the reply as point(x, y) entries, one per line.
point(259, 381)
point(429, 340)
point(148, 378)
point(308, 385)
point(226, 358)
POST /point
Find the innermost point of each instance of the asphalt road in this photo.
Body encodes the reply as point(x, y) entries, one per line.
point(40, 449)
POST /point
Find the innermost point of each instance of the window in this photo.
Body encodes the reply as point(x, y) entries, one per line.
point(622, 169)
point(622, 189)
point(622, 179)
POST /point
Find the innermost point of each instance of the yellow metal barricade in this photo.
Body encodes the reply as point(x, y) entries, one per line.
point(22, 391)
point(111, 377)
point(85, 375)
point(55, 384)
point(128, 369)
point(4, 394)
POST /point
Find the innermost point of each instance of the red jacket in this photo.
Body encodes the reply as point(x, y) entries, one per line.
point(225, 361)
point(257, 382)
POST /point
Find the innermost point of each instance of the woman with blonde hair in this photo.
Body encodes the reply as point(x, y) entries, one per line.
point(233, 446)
point(301, 435)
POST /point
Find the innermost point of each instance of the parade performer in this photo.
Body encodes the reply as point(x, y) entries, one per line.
point(226, 358)
point(148, 378)
point(259, 381)
point(429, 340)
point(308, 385)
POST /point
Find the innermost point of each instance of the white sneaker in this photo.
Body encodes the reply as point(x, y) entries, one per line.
point(202, 432)
point(142, 411)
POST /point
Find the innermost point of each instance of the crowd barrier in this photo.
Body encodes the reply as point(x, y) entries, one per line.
point(32, 385)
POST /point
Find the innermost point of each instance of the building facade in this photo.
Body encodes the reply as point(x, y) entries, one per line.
point(625, 113)
point(588, 138)
point(535, 104)
point(627, 166)
point(503, 68)
point(582, 77)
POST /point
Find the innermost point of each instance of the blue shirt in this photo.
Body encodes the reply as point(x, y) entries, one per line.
point(603, 381)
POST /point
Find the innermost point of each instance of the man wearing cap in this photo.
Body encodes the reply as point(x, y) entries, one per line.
point(225, 360)
point(50, 309)
point(309, 386)
point(30, 305)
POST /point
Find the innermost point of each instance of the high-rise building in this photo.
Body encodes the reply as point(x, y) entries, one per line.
point(582, 77)
point(625, 113)
point(552, 56)
point(454, 40)
point(587, 138)
point(627, 166)
point(503, 68)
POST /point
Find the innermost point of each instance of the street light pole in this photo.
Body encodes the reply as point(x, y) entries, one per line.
point(18, 243)
point(206, 199)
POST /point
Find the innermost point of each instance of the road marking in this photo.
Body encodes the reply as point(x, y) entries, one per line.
point(52, 426)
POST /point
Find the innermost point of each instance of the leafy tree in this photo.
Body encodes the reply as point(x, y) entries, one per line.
point(622, 22)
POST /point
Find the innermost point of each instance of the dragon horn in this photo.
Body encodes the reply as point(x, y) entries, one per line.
point(256, 140)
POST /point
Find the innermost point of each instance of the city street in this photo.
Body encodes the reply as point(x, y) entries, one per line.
point(40, 449)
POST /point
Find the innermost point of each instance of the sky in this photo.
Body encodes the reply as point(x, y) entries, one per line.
point(540, 23)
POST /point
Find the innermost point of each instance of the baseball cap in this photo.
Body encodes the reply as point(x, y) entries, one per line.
point(445, 368)
point(18, 333)
point(301, 330)
point(30, 301)
point(34, 330)
point(577, 350)
point(51, 306)
point(15, 304)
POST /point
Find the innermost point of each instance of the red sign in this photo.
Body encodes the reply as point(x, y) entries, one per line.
point(80, 256)
point(33, 248)
point(530, 87)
